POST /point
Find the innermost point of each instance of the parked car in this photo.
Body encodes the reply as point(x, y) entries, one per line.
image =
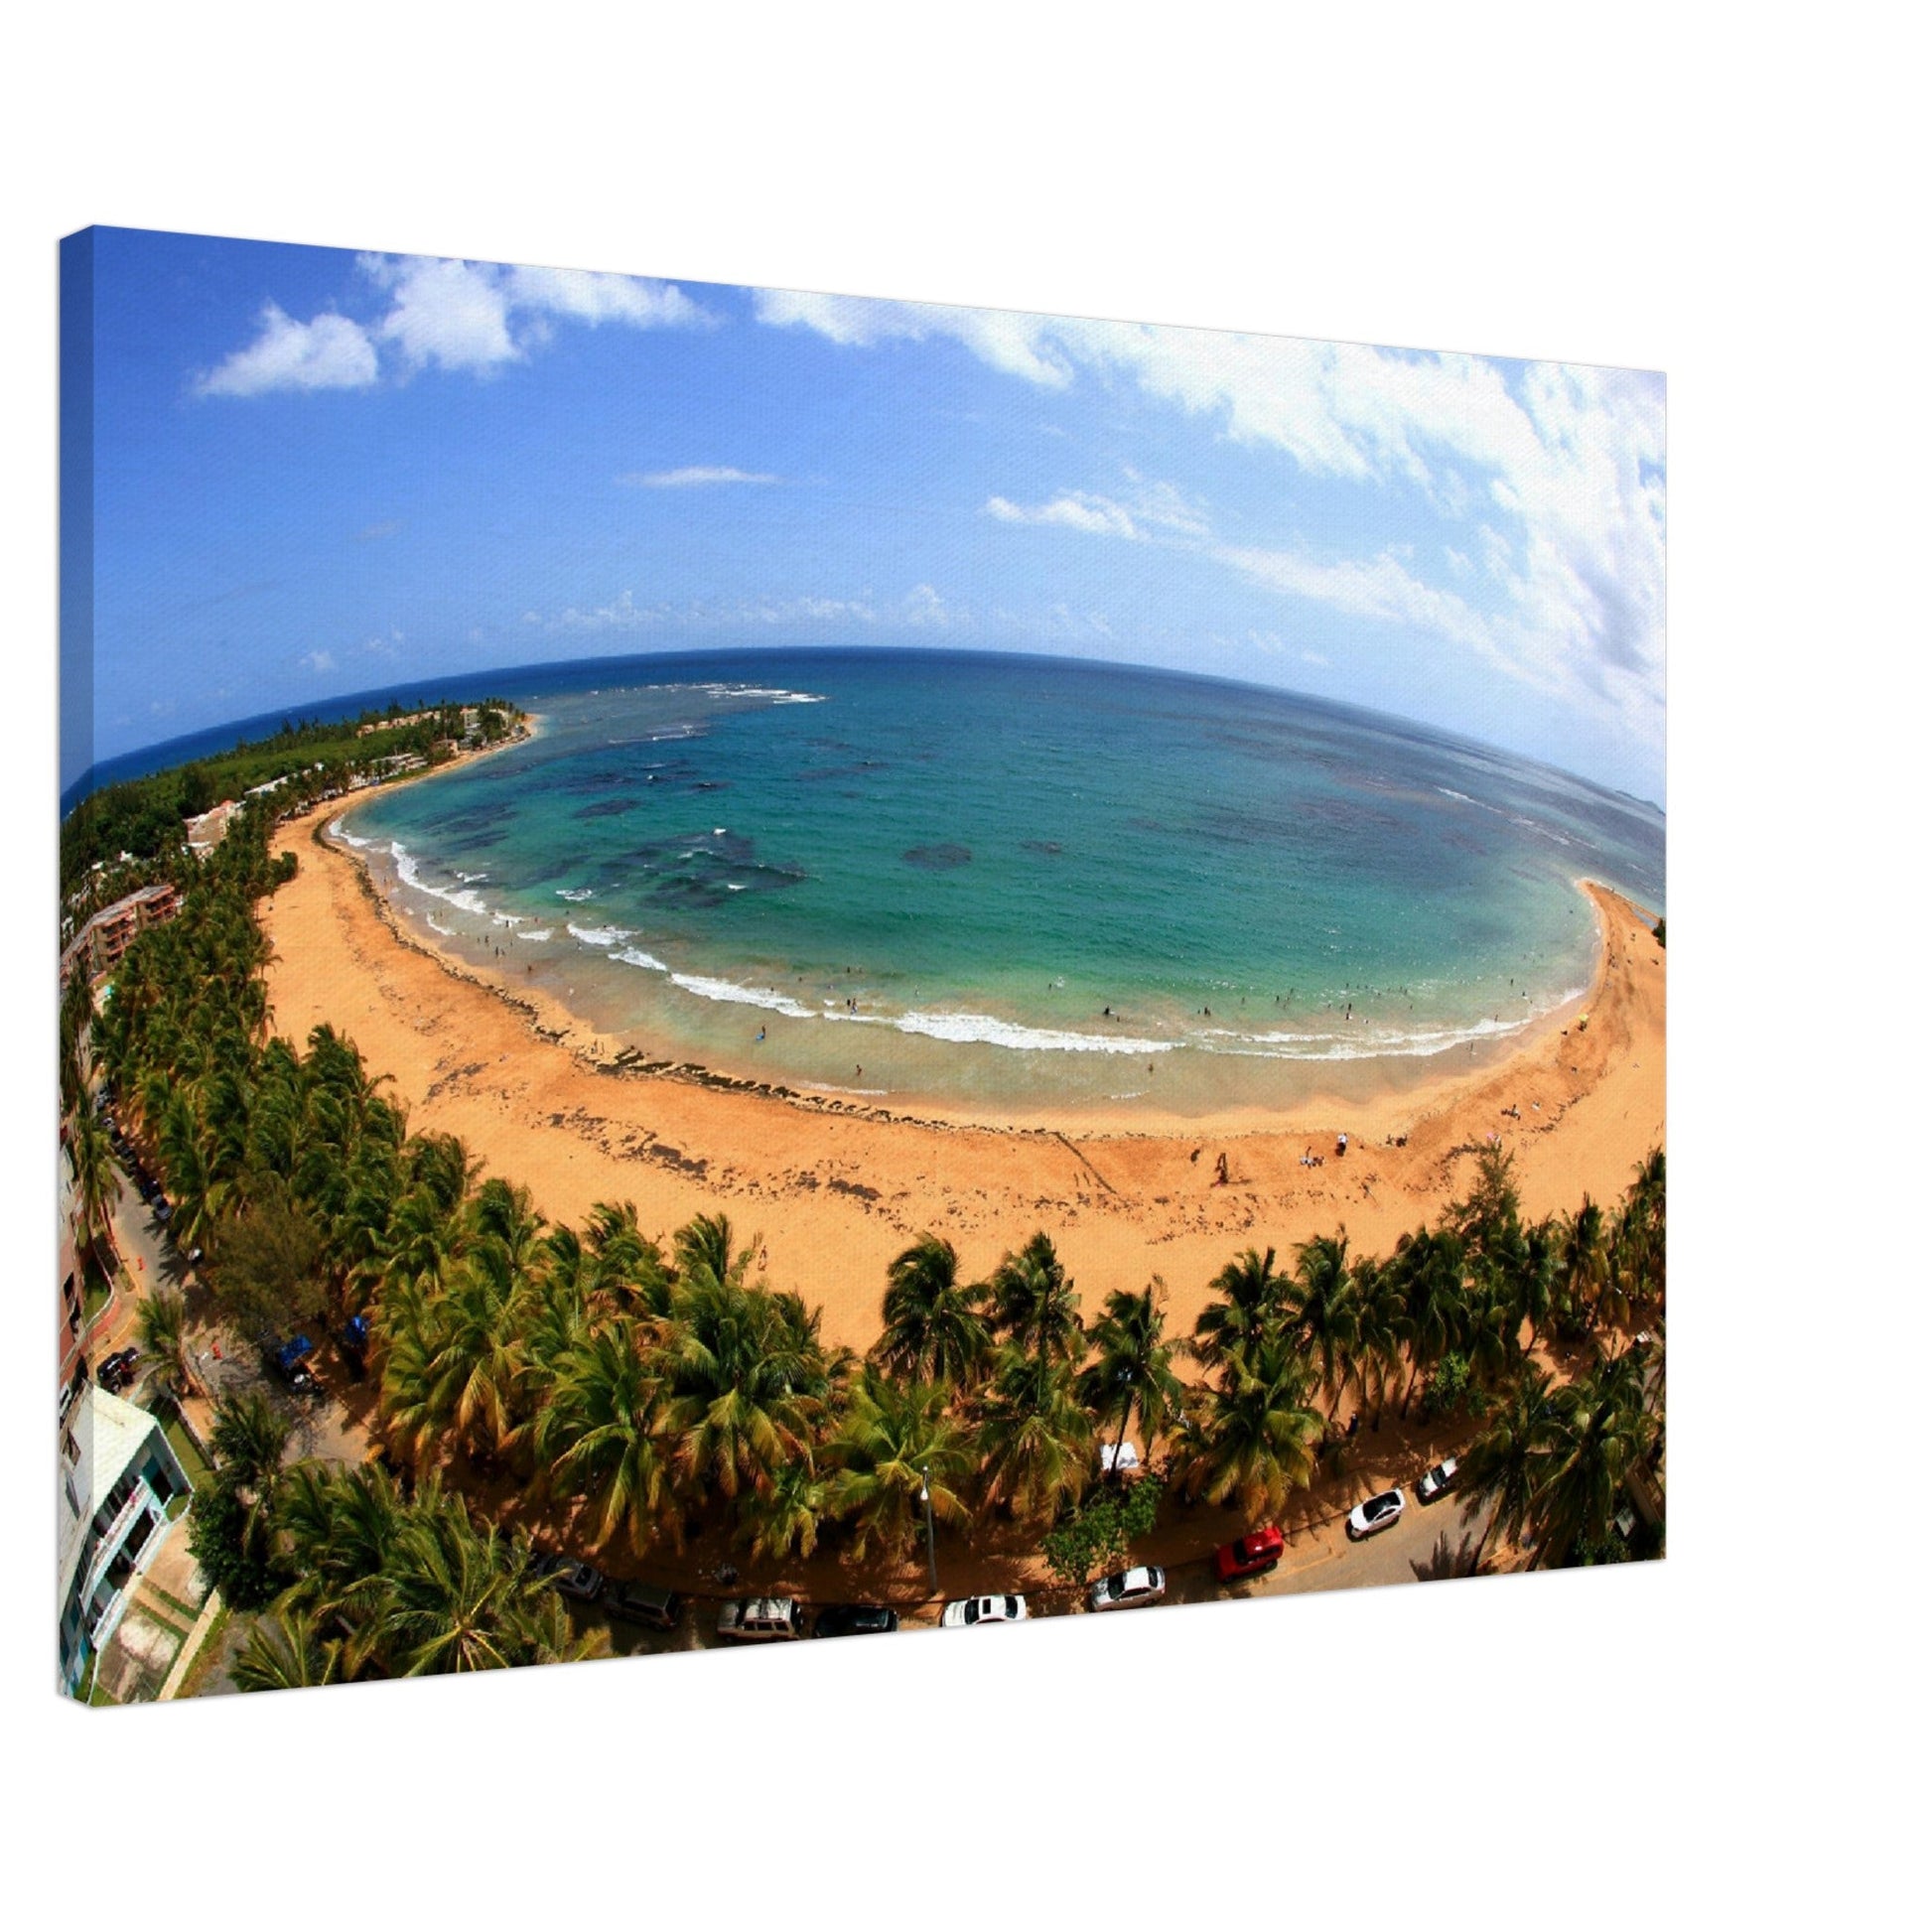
point(1126, 1587)
point(646, 1604)
point(1253, 1554)
point(1116, 1459)
point(854, 1620)
point(354, 1345)
point(760, 1619)
point(1434, 1482)
point(290, 1360)
point(1376, 1513)
point(570, 1575)
point(969, 1611)
point(117, 1370)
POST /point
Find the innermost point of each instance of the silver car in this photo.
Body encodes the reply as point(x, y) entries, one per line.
point(1126, 1587)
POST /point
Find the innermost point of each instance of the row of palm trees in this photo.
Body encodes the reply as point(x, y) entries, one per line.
point(385, 1585)
point(654, 1389)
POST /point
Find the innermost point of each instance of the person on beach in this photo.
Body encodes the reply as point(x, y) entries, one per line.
point(761, 1032)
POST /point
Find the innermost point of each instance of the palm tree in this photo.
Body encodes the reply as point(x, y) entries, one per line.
point(458, 1600)
point(934, 1331)
point(897, 1450)
point(286, 1651)
point(1034, 1305)
point(1132, 1366)
point(247, 1441)
point(1036, 1439)
point(96, 1184)
point(783, 1518)
point(161, 1322)
point(1582, 1263)
point(1505, 1466)
point(1381, 1329)
point(703, 1247)
point(1598, 1435)
point(746, 1380)
point(598, 1437)
point(1250, 1437)
point(1429, 1267)
point(1321, 1310)
point(338, 1528)
point(1253, 1298)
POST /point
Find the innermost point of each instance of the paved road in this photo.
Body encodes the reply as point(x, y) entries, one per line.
point(1427, 1545)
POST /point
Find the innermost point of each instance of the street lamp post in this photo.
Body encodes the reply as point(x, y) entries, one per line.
point(931, 1560)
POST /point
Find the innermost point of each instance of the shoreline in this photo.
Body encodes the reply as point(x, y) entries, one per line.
point(843, 1186)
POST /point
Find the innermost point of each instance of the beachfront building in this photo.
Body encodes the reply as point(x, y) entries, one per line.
point(119, 1474)
point(99, 944)
point(210, 828)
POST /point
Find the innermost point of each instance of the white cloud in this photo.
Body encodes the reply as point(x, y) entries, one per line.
point(1565, 464)
point(692, 477)
point(445, 312)
point(1072, 509)
point(317, 662)
point(582, 295)
point(1381, 588)
point(1010, 341)
point(1148, 507)
point(472, 316)
point(330, 352)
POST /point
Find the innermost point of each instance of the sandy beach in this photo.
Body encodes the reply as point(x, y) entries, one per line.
point(831, 1193)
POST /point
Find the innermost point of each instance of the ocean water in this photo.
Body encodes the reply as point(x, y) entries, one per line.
point(1011, 884)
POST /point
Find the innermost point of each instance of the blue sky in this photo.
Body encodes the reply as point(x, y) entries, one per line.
point(317, 472)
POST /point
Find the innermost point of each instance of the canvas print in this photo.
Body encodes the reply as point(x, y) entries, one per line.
point(740, 965)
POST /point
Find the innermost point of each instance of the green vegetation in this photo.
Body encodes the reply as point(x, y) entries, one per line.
point(657, 1393)
point(1657, 931)
point(143, 817)
point(1097, 1536)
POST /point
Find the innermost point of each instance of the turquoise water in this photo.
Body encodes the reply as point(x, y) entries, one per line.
point(1010, 881)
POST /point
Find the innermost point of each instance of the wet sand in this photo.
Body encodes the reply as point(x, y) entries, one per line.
point(831, 1191)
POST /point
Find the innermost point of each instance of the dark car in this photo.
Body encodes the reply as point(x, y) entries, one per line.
point(1253, 1554)
point(117, 1371)
point(290, 1360)
point(646, 1604)
point(854, 1620)
point(571, 1574)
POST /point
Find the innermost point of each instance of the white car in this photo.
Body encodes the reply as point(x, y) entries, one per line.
point(760, 1619)
point(1116, 1459)
point(971, 1610)
point(1126, 1587)
point(1375, 1513)
point(1436, 1480)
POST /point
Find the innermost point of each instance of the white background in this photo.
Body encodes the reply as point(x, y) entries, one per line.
point(1741, 205)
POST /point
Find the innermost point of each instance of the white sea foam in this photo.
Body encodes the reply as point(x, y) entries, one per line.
point(733, 993)
point(407, 870)
point(636, 956)
point(540, 932)
point(581, 893)
point(337, 831)
point(598, 935)
point(983, 1028)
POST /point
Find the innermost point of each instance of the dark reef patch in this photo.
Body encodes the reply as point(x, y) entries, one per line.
point(939, 858)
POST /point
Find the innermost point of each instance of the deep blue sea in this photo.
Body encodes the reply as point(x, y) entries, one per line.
point(1011, 883)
